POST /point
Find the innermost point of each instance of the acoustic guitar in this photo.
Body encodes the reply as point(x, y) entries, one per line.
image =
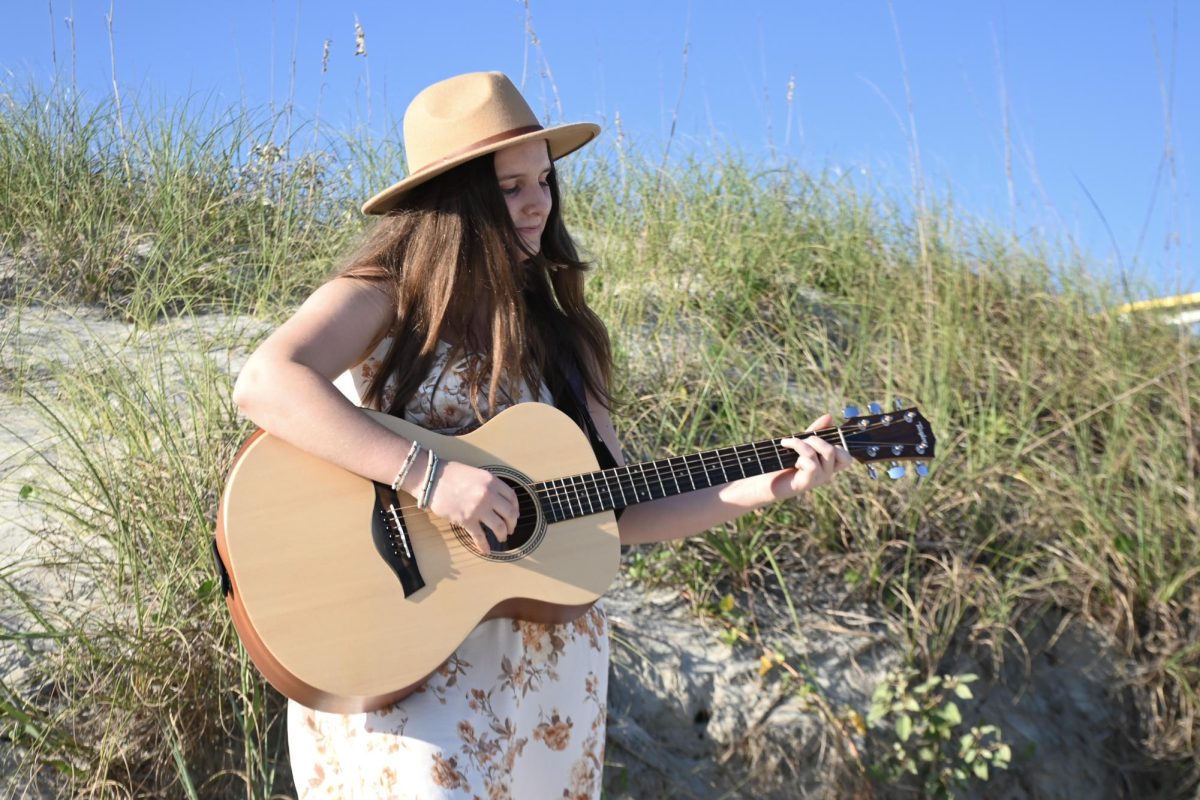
point(347, 596)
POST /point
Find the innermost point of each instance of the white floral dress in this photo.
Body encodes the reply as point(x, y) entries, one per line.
point(518, 711)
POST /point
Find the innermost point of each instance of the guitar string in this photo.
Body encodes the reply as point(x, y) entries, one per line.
point(556, 504)
point(724, 461)
point(726, 458)
point(676, 469)
point(712, 460)
point(556, 500)
point(591, 489)
point(563, 495)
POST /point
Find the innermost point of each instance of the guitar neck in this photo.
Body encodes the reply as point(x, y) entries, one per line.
point(620, 487)
point(897, 436)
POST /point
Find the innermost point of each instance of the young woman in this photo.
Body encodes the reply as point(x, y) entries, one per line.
point(465, 298)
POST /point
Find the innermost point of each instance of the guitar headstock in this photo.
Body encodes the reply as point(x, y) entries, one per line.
point(899, 435)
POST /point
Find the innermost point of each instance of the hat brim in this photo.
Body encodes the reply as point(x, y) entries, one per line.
point(563, 140)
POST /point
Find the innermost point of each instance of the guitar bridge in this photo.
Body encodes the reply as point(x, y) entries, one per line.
point(392, 542)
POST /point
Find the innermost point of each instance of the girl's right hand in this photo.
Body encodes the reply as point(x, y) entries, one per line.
point(473, 498)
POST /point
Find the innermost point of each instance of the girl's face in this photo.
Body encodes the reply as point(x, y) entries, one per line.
point(522, 172)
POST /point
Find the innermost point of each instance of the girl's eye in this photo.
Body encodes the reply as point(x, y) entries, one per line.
point(510, 191)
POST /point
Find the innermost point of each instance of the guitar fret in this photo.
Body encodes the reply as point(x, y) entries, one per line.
point(714, 478)
point(757, 457)
point(547, 501)
point(590, 481)
point(593, 500)
point(621, 488)
point(647, 477)
point(675, 477)
point(633, 487)
point(662, 487)
point(555, 489)
point(605, 491)
point(737, 458)
point(780, 452)
point(575, 501)
point(645, 485)
point(722, 465)
point(612, 498)
point(565, 497)
point(575, 494)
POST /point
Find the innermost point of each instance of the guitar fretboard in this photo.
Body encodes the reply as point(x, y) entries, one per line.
point(619, 487)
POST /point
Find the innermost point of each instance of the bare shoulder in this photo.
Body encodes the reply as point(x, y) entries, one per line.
point(352, 294)
point(335, 328)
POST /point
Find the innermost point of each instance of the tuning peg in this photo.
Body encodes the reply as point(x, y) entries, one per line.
point(850, 412)
point(871, 472)
point(897, 404)
point(895, 472)
point(922, 469)
point(874, 408)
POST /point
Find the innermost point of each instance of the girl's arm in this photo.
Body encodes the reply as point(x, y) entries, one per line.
point(287, 388)
point(687, 514)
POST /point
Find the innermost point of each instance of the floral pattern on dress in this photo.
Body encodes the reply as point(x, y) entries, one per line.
point(517, 711)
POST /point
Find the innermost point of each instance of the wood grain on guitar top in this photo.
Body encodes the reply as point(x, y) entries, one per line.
point(326, 620)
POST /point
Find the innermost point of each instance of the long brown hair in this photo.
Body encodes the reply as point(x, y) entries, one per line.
point(456, 269)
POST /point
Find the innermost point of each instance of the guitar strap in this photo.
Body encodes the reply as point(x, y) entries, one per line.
point(570, 398)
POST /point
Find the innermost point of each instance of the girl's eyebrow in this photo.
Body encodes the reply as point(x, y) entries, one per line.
point(546, 171)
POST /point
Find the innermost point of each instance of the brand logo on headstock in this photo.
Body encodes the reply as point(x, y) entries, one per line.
point(921, 433)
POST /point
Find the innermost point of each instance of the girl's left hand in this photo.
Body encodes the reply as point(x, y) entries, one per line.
point(817, 462)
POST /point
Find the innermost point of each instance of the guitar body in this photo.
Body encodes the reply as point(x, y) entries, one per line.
point(327, 620)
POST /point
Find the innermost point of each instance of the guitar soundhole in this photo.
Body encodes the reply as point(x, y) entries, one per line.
point(531, 525)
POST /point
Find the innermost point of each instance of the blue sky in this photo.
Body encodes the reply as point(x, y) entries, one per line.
point(1102, 97)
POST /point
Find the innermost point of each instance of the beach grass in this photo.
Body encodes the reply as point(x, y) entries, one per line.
point(744, 299)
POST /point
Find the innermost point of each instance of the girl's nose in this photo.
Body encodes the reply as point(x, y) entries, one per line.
point(538, 202)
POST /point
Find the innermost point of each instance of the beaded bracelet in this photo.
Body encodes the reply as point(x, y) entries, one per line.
point(427, 488)
point(409, 460)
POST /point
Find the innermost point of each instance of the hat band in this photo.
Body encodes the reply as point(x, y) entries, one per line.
point(499, 137)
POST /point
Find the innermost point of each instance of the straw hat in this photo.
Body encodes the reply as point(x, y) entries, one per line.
point(464, 117)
